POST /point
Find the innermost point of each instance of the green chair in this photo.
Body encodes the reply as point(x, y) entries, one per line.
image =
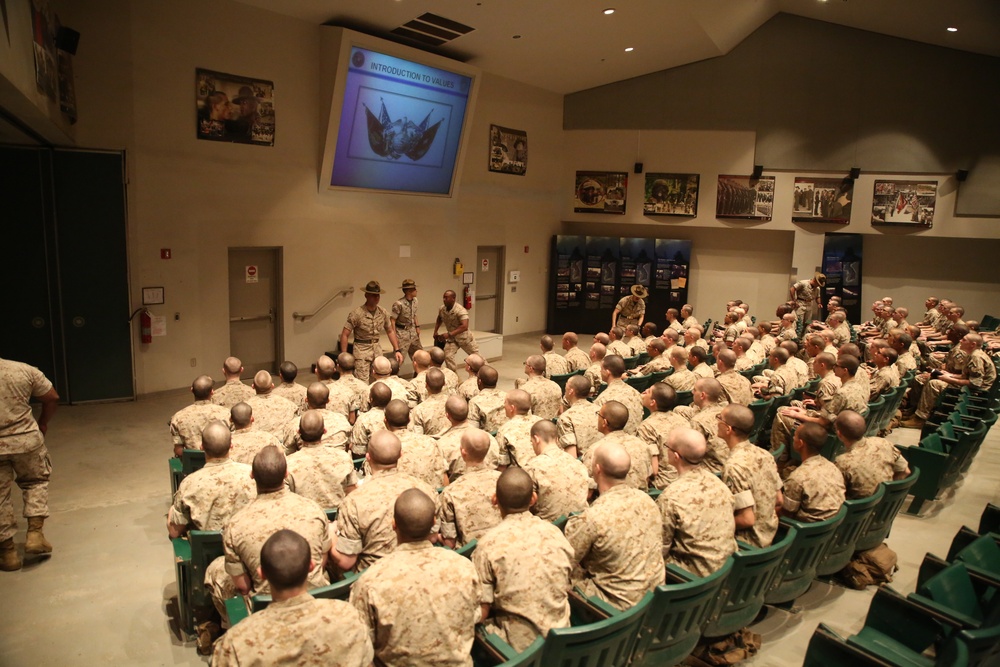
point(182, 572)
point(192, 460)
point(339, 590)
point(798, 565)
point(828, 649)
point(952, 593)
point(331, 514)
point(672, 626)
point(176, 474)
point(989, 521)
point(631, 362)
point(685, 397)
point(643, 358)
point(605, 643)
point(482, 656)
point(742, 596)
point(875, 409)
point(832, 448)
point(561, 378)
point(639, 382)
point(885, 512)
point(760, 409)
point(658, 376)
point(842, 546)
point(982, 555)
point(467, 549)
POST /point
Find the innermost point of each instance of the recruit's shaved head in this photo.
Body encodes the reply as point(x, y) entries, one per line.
point(384, 449)
point(397, 414)
point(546, 343)
point(345, 362)
point(520, 400)
point(850, 424)
point(437, 356)
point(457, 408)
point(435, 381)
point(240, 414)
point(545, 430)
point(474, 362)
point(571, 338)
point(413, 513)
point(476, 444)
point(232, 365)
point(202, 387)
point(382, 366)
point(317, 395)
point(614, 460)
point(422, 358)
point(215, 439)
point(739, 417)
point(615, 414)
point(536, 363)
point(614, 365)
point(325, 368)
point(689, 444)
point(488, 376)
point(269, 469)
point(580, 384)
point(664, 396)
point(380, 394)
point(311, 426)
point(288, 371)
point(813, 436)
point(285, 559)
point(726, 359)
point(262, 382)
point(514, 489)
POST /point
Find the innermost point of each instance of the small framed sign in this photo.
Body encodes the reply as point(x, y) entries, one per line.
point(152, 296)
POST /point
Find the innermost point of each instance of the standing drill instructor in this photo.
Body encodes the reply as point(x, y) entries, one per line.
point(367, 322)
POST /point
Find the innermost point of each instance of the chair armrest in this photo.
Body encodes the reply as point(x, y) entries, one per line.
point(236, 609)
point(494, 646)
point(182, 549)
point(678, 575)
point(944, 614)
point(909, 623)
point(590, 606)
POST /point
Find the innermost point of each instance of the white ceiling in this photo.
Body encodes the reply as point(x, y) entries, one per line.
point(570, 45)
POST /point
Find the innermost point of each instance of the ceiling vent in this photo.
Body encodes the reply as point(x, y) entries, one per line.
point(432, 30)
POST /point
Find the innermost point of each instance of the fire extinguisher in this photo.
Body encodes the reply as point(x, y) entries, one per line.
point(146, 326)
point(467, 297)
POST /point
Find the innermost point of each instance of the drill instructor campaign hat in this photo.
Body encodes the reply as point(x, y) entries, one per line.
point(640, 291)
point(373, 288)
point(408, 284)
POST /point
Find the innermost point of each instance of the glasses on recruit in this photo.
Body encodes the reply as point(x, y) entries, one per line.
point(681, 456)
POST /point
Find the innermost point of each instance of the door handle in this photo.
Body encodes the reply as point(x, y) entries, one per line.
point(253, 318)
point(486, 297)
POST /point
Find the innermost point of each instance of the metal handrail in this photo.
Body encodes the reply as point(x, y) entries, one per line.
point(302, 317)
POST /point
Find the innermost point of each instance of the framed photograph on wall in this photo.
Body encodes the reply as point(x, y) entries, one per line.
point(508, 150)
point(908, 203)
point(600, 192)
point(234, 108)
point(745, 197)
point(671, 194)
point(822, 200)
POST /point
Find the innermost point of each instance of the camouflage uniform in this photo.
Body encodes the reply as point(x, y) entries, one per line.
point(656, 365)
point(451, 380)
point(593, 373)
point(698, 523)
point(801, 369)
point(842, 334)
point(451, 320)
point(404, 311)
point(469, 388)
point(486, 409)
point(752, 476)
point(343, 397)
point(271, 413)
point(207, 498)
point(805, 298)
point(630, 312)
point(618, 542)
point(577, 359)
point(546, 397)
point(450, 444)
point(978, 370)
point(691, 321)
point(364, 523)
point(682, 380)
point(756, 352)
point(620, 348)
point(246, 442)
point(248, 529)
point(640, 452)
point(767, 343)
point(577, 425)
point(706, 421)
point(367, 327)
point(703, 370)
point(906, 362)
point(884, 379)
point(636, 344)
point(852, 395)
point(294, 392)
point(360, 387)
point(467, 509)
point(868, 463)
point(422, 458)
point(814, 491)
point(22, 446)
point(337, 431)
point(231, 393)
point(365, 425)
point(736, 387)
point(524, 567)
point(654, 431)
point(625, 394)
point(400, 389)
point(560, 481)
point(187, 423)
point(514, 439)
point(781, 381)
point(300, 631)
point(321, 474)
point(430, 418)
point(555, 364)
point(421, 605)
point(419, 383)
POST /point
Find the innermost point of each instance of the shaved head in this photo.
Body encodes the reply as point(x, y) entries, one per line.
point(474, 362)
point(689, 444)
point(437, 356)
point(311, 426)
point(488, 376)
point(384, 449)
point(850, 425)
point(514, 489)
point(262, 382)
point(435, 381)
point(397, 414)
point(381, 366)
point(232, 365)
point(739, 417)
point(240, 414)
point(581, 385)
point(422, 358)
point(380, 395)
point(614, 460)
point(813, 436)
point(317, 395)
point(664, 396)
point(202, 387)
point(269, 468)
point(546, 343)
point(520, 400)
point(615, 414)
point(413, 513)
point(288, 371)
point(545, 430)
point(325, 368)
point(457, 408)
point(215, 439)
point(536, 363)
point(345, 362)
point(476, 444)
point(285, 559)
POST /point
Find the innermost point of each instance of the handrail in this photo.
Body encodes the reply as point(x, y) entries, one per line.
point(302, 317)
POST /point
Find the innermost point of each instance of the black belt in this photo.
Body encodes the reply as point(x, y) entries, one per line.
point(363, 341)
point(404, 326)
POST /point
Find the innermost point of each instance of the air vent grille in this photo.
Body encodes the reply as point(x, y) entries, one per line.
point(432, 29)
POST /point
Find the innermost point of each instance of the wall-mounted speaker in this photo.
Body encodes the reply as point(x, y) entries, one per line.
point(758, 170)
point(638, 167)
point(961, 175)
point(855, 173)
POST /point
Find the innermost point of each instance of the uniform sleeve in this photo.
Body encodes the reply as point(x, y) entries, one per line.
point(40, 384)
point(899, 464)
point(180, 513)
point(224, 655)
point(503, 457)
point(446, 516)
point(738, 482)
point(350, 323)
point(487, 578)
point(397, 308)
point(669, 521)
point(793, 495)
point(323, 531)
point(580, 533)
point(349, 538)
point(359, 600)
point(233, 563)
point(567, 435)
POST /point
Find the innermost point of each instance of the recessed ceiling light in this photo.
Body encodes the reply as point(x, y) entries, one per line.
point(629, 49)
point(952, 29)
point(609, 11)
point(517, 37)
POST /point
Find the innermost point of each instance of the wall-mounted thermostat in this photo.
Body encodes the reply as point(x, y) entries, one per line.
point(515, 277)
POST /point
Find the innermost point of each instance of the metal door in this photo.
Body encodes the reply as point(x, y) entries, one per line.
point(254, 308)
point(488, 308)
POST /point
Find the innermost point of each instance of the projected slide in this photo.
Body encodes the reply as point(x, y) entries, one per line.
point(400, 125)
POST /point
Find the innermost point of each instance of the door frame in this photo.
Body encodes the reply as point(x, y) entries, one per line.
point(279, 300)
point(501, 262)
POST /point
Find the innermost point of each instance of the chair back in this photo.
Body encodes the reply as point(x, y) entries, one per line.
point(192, 460)
point(467, 549)
point(798, 566)
point(606, 643)
point(742, 594)
point(639, 382)
point(885, 512)
point(561, 378)
point(685, 397)
point(760, 409)
point(339, 590)
point(673, 623)
point(206, 546)
point(841, 547)
point(982, 554)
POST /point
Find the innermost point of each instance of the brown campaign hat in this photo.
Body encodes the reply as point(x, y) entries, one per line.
point(640, 291)
point(408, 284)
point(820, 279)
point(373, 287)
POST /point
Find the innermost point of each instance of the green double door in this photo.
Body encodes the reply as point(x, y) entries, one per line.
point(64, 269)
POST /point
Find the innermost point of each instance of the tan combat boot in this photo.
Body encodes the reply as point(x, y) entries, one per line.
point(9, 560)
point(36, 542)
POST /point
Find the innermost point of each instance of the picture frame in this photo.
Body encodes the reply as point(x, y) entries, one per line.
point(822, 200)
point(508, 151)
point(152, 296)
point(234, 109)
point(904, 203)
point(745, 197)
point(671, 195)
point(600, 192)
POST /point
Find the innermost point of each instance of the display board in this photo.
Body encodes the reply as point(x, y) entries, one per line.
point(590, 274)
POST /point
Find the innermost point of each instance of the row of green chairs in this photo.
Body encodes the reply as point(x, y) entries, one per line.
point(561, 378)
point(189, 461)
point(192, 556)
point(643, 382)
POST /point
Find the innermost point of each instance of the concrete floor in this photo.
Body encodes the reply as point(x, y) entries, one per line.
point(105, 596)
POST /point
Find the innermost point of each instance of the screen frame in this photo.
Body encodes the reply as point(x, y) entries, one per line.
point(336, 54)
